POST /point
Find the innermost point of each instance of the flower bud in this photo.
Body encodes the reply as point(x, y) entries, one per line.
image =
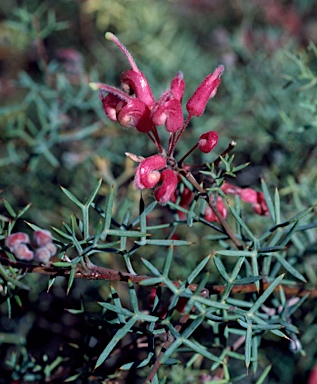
point(178, 86)
point(208, 141)
point(164, 192)
point(22, 252)
point(208, 88)
point(15, 239)
point(42, 237)
point(42, 255)
point(230, 188)
point(147, 175)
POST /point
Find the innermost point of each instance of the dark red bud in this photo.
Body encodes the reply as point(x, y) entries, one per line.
point(208, 141)
point(208, 88)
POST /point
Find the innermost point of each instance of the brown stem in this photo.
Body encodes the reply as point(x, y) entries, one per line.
point(94, 272)
point(170, 339)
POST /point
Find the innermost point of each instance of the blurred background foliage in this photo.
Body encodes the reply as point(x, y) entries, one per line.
point(53, 130)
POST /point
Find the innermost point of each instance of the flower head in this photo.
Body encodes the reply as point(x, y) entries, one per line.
point(134, 106)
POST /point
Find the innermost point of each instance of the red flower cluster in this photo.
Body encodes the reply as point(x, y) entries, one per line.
point(42, 248)
point(134, 106)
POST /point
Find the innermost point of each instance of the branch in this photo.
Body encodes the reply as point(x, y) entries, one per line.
point(94, 272)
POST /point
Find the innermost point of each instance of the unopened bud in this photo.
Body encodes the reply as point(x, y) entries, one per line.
point(208, 88)
point(208, 141)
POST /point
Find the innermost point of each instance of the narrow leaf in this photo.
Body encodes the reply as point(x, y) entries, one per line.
point(269, 290)
point(114, 341)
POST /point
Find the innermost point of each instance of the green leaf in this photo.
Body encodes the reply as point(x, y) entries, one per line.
point(221, 268)
point(269, 290)
point(114, 341)
point(247, 345)
point(242, 223)
point(262, 327)
point(164, 243)
point(72, 197)
point(122, 233)
point(197, 270)
point(152, 281)
point(151, 267)
point(71, 278)
point(264, 375)
point(268, 200)
point(235, 253)
point(168, 261)
point(140, 364)
point(247, 280)
point(9, 208)
point(277, 206)
point(117, 309)
point(289, 268)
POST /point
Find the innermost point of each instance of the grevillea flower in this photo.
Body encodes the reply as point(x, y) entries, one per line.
point(147, 174)
point(209, 213)
point(168, 109)
point(164, 192)
point(249, 195)
point(134, 106)
point(208, 88)
point(208, 141)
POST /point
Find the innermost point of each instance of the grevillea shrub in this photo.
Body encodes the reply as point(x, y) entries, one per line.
point(179, 275)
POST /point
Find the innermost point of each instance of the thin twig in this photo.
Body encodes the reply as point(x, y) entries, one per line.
point(94, 272)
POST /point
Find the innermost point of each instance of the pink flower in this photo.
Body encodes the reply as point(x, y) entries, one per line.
point(260, 206)
point(147, 174)
point(168, 109)
point(135, 82)
point(249, 195)
point(208, 141)
point(164, 192)
point(230, 188)
point(128, 111)
point(208, 88)
point(209, 213)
